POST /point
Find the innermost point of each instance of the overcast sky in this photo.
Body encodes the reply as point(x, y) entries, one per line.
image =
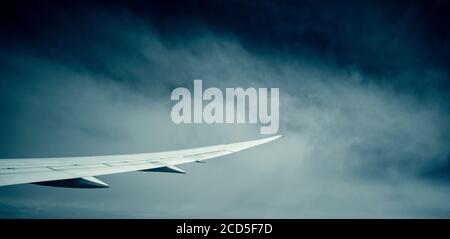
point(364, 105)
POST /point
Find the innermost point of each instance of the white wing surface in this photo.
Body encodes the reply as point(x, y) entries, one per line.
point(79, 172)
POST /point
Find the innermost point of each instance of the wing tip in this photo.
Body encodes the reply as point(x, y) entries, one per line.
point(272, 138)
point(277, 136)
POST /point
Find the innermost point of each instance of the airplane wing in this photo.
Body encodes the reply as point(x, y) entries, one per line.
point(79, 172)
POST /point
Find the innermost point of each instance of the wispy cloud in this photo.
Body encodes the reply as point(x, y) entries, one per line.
point(358, 144)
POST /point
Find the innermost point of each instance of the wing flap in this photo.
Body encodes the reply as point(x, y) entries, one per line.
point(166, 169)
point(85, 182)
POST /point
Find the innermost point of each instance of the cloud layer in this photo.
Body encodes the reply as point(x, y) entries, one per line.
point(364, 112)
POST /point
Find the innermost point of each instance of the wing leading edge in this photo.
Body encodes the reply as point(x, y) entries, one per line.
point(79, 172)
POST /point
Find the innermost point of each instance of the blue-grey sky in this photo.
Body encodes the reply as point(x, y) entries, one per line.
point(364, 105)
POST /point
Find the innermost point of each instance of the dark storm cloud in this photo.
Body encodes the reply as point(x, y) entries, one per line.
point(364, 105)
point(378, 37)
